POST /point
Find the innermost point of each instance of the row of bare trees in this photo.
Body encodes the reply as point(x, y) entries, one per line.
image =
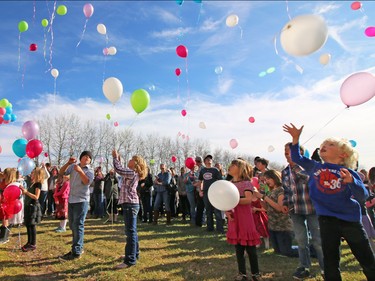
point(66, 136)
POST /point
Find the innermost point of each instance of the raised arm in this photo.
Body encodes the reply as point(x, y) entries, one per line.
point(293, 131)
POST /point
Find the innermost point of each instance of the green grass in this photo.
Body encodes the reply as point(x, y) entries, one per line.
point(174, 252)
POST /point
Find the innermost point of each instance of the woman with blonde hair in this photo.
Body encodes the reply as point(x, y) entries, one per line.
point(135, 171)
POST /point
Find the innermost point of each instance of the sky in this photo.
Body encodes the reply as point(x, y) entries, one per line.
point(231, 73)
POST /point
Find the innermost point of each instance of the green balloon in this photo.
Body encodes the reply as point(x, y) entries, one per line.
point(152, 161)
point(23, 26)
point(140, 100)
point(108, 116)
point(61, 10)
point(4, 103)
point(44, 22)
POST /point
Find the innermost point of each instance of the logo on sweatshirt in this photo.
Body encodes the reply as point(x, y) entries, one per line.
point(328, 181)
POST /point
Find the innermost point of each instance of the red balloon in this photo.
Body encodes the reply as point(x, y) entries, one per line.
point(251, 119)
point(190, 163)
point(182, 51)
point(34, 148)
point(2, 111)
point(17, 206)
point(183, 112)
point(11, 193)
point(33, 47)
point(356, 5)
point(174, 158)
point(178, 71)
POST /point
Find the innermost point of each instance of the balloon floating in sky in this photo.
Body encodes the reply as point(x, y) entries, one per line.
point(251, 119)
point(271, 70)
point(232, 20)
point(223, 195)
point(179, 2)
point(23, 26)
point(358, 88)
point(262, 74)
point(190, 163)
point(116, 124)
point(177, 71)
point(44, 22)
point(233, 143)
point(101, 28)
point(112, 89)
point(183, 112)
point(353, 143)
point(370, 31)
point(88, 10)
point(324, 59)
point(62, 10)
point(54, 73)
point(182, 51)
point(304, 35)
point(173, 158)
point(356, 5)
point(218, 69)
point(140, 100)
point(271, 148)
point(33, 47)
point(202, 125)
point(112, 51)
point(30, 129)
point(108, 116)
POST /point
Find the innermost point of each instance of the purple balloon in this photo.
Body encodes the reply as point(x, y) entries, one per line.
point(30, 129)
point(357, 88)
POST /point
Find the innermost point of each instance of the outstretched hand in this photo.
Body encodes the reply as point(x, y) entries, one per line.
point(293, 131)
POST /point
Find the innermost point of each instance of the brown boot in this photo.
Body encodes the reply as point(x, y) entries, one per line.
point(168, 217)
point(156, 216)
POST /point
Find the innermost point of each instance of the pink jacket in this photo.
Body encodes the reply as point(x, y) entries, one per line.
point(62, 192)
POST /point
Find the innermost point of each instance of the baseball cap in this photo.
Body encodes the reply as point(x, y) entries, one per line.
point(208, 156)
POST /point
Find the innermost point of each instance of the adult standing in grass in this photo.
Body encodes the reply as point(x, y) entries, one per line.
point(136, 170)
point(81, 176)
point(242, 231)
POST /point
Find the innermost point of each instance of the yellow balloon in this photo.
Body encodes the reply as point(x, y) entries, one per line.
point(325, 59)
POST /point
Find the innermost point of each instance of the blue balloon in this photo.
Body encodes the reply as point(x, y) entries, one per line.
point(353, 143)
point(307, 153)
point(179, 2)
point(19, 147)
point(9, 109)
point(13, 117)
point(26, 166)
point(7, 117)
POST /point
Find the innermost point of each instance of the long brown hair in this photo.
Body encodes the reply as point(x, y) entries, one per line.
point(245, 169)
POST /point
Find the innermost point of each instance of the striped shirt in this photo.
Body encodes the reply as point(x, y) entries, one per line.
point(129, 183)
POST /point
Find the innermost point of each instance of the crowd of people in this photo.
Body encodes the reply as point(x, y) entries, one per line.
point(317, 203)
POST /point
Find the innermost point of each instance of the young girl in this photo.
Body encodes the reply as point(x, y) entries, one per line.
point(337, 193)
point(61, 197)
point(241, 228)
point(129, 200)
point(32, 208)
point(279, 223)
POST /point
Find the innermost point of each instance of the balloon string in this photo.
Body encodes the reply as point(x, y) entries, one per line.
point(298, 68)
point(200, 11)
point(105, 55)
point(51, 30)
point(44, 45)
point(188, 87)
point(287, 9)
point(34, 11)
point(241, 31)
point(178, 90)
point(83, 32)
point(325, 125)
point(54, 91)
point(19, 51)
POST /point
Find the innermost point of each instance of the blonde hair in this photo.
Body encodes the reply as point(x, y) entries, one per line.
point(245, 169)
point(10, 175)
point(350, 161)
point(38, 174)
point(140, 166)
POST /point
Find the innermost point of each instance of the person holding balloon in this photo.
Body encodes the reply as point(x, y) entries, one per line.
point(337, 192)
point(242, 232)
point(32, 208)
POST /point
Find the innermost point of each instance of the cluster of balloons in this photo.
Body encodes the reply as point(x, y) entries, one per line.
point(28, 147)
point(6, 112)
point(10, 204)
point(110, 51)
point(358, 88)
point(223, 195)
point(303, 35)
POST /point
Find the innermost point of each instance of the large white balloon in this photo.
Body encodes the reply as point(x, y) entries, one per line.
point(112, 89)
point(223, 195)
point(54, 73)
point(101, 28)
point(303, 35)
point(112, 51)
point(232, 20)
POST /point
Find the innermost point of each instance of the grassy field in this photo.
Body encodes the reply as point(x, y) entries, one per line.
point(174, 252)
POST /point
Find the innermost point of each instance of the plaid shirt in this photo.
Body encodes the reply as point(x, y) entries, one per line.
point(129, 183)
point(296, 190)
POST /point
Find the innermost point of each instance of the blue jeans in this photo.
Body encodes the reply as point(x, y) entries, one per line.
point(191, 198)
point(162, 197)
point(99, 204)
point(77, 215)
point(282, 243)
point(42, 201)
point(302, 224)
point(210, 211)
point(130, 212)
point(331, 231)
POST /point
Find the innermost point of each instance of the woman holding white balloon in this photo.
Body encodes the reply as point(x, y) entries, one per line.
point(241, 227)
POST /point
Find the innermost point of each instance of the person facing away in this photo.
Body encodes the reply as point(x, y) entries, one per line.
point(298, 204)
point(145, 191)
point(81, 176)
point(337, 193)
point(136, 170)
point(161, 182)
point(242, 232)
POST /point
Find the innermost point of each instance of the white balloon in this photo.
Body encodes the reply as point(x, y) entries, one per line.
point(325, 59)
point(54, 72)
point(223, 195)
point(232, 20)
point(202, 125)
point(101, 28)
point(271, 148)
point(304, 35)
point(218, 69)
point(112, 89)
point(112, 51)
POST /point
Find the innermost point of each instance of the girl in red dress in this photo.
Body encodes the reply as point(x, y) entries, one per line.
point(241, 227)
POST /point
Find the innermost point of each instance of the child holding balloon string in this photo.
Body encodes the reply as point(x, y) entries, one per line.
point(32, 208)
point(241, 227)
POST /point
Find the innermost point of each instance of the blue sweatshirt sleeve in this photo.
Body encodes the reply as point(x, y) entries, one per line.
point(358, 188)
point(306, 163)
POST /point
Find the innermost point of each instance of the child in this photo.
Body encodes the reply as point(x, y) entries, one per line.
point(337, 193)
point(32, 208)
point(61, 197)
point(241, 228)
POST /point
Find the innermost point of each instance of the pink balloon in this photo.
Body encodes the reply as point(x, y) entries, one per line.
point(183, 112)
point(2, 110)
point(45, 154)
point(233, 143)
point(370, 31)
point(30, 130)
point(174, 158)
point(357, 88)
point(105, 51)
point(182, 51)
point(88, 10)
point(116, 124)
point(190, 163)
point(34, 148)
point(178, 71)
point(11, 192)
point(255, 182)
point(356, 5)
point(251, 119)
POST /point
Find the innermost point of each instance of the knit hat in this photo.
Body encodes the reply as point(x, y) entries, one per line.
point(84, 153)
